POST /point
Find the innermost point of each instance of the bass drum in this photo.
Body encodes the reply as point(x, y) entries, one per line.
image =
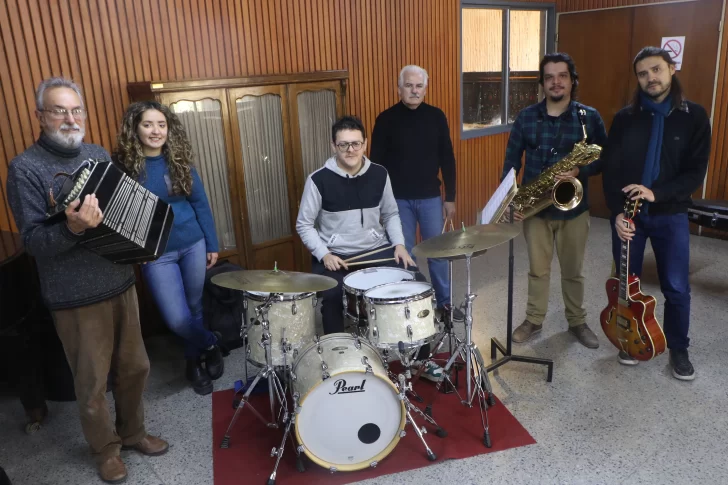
point(350, 416)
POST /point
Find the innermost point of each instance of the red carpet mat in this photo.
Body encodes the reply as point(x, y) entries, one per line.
point(248, 459)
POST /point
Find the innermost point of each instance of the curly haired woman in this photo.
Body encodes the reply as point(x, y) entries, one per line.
point(154, 150)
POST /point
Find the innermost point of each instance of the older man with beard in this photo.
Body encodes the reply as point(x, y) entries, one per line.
point(93, 301)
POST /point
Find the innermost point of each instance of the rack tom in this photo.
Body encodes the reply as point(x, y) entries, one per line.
point(357, 283)
point(401, 312)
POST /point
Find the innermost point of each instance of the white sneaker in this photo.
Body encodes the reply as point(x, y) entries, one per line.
point(432, 371)
point(625, 359)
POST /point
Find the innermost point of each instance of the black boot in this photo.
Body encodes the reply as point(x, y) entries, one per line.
point(214, 362)
point(201, 382)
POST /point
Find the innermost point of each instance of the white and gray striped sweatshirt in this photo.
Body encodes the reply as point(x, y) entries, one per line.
point(345, 214)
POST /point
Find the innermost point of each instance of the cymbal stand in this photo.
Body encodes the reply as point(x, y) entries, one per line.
point(276, 389)
point(477, 382)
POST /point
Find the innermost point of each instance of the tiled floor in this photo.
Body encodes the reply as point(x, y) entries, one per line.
point(596, 423)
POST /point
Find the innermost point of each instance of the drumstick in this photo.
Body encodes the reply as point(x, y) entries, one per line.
point(367, 254)
point(370, 262)
point(452, 228)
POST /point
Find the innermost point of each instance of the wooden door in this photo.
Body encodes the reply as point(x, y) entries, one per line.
point(204, 114)
point(264, 167)
point(606, 78)
point(604, 70)
point(314, 108)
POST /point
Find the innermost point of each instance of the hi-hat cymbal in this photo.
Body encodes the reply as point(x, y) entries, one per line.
point(271, 281)
point(469, 241)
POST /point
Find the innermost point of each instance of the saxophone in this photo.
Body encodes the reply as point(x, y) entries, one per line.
point(564, 194)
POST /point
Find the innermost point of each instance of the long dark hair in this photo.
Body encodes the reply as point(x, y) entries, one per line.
point(676, 90)
point(177, 149)
point(557, 57)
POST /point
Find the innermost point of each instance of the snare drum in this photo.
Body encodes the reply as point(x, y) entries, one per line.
point(294, 319)
point(401, 312)
point(350, 416)
point(356, 283)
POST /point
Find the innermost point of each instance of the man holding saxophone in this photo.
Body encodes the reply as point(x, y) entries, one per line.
point(547, 132)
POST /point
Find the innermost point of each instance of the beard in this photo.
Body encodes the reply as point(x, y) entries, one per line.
point(67, 139)
point(659, 93)
point(556, 98)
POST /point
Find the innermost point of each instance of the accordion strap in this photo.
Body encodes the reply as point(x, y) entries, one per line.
point(51, 199)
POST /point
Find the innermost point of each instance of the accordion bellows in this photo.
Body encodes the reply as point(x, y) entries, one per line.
point(136, 223)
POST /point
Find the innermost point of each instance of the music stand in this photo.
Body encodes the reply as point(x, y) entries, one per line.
point(502, 199)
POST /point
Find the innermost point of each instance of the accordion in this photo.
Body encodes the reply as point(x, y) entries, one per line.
point(136, 223)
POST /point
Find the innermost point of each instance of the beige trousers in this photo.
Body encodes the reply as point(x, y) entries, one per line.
point(570, 238)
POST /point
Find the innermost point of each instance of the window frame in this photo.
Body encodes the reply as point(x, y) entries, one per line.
point(550, 10)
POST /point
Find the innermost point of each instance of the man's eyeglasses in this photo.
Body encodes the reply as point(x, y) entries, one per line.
point(59, 113)
point(344, 146)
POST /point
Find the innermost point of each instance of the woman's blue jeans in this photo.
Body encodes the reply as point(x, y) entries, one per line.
point(175, 281)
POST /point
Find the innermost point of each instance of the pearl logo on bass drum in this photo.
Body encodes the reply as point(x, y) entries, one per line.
point(341, 387)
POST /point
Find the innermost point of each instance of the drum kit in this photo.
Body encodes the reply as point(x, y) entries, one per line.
point(334, 396)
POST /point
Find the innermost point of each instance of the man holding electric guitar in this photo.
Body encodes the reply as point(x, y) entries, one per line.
point(657, 153)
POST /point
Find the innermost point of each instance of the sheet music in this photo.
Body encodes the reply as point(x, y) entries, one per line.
point(501, 193)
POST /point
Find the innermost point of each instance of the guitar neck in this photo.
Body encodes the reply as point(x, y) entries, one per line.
point(624, 271)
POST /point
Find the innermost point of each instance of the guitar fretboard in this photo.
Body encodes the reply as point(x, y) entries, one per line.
point(624, 269)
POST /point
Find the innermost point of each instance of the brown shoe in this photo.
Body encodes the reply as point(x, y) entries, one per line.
point(585, 336)
point(525, 331)
point(113, 470)
point(150, 446)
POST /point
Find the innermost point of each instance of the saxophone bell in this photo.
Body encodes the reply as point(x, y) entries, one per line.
point(567, 193)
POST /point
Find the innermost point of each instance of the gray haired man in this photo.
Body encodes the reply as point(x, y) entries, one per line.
point(93, 301)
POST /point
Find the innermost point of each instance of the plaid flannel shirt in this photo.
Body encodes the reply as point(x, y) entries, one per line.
point(547, 140)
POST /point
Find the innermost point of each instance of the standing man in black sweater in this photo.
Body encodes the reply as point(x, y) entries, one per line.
point(412, 141)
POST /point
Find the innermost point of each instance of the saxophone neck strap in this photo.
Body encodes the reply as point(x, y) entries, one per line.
point(582, 118)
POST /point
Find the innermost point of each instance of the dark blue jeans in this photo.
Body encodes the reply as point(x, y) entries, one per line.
point(175, 281)
point(428, 213)
point(669, 235)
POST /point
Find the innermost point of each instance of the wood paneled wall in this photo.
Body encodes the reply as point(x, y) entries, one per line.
point(104, 44)
point(577, 5)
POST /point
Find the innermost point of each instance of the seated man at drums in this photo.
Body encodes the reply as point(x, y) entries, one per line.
point(348, 209)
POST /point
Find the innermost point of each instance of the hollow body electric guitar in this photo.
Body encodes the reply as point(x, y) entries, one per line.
point(629, 319)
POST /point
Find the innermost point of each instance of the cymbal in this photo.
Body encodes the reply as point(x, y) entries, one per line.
point(272, 281)
point(471, 240)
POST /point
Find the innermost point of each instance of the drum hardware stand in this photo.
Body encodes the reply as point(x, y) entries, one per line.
point(404, 357)
point(275, 387)
point(403, 388)
point(475, 367)
point(290, 420)
point(495, 345)
point(393, 377)
point(439, 341)
point(448, 387)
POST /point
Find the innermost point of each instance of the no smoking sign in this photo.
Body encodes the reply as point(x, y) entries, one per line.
point(675, 46)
